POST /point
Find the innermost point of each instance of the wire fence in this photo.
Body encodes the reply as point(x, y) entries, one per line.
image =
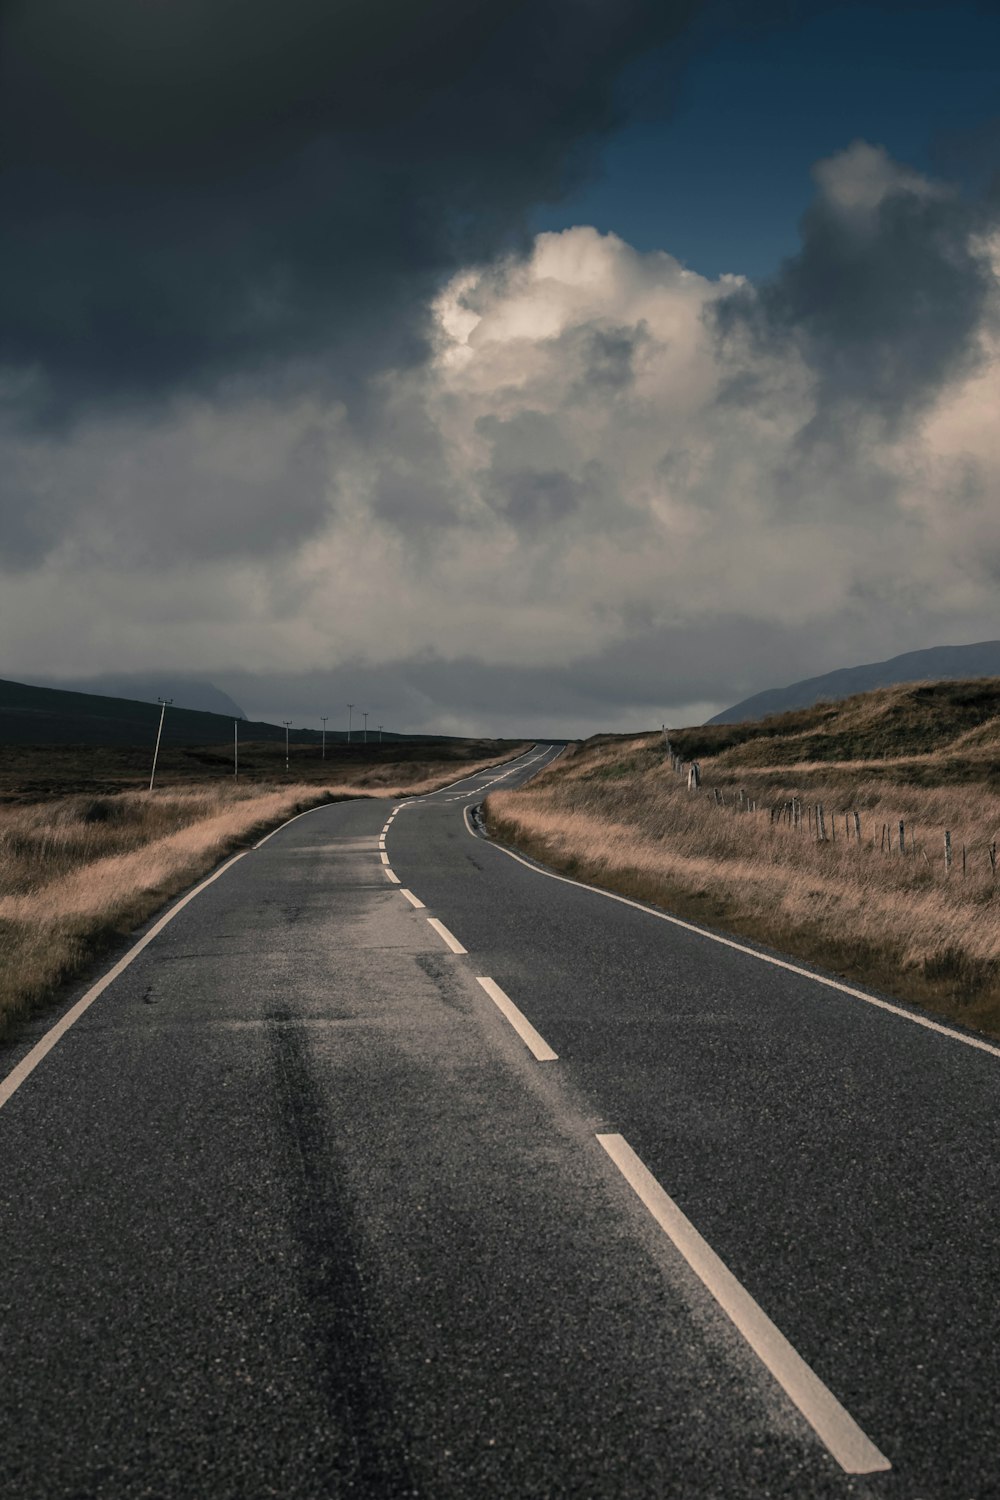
point(863, 830)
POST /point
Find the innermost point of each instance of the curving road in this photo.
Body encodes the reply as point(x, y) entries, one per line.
point(392, 1165)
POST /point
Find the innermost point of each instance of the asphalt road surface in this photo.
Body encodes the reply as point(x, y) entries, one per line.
point(298, 1206)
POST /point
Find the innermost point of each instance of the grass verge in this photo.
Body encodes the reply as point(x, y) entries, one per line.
point(79, 873)
point(614, 814)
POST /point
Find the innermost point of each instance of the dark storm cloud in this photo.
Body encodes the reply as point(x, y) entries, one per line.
point(885, 299)
point(199, 186)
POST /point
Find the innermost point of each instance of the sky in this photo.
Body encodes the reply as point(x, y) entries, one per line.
point(545, 368)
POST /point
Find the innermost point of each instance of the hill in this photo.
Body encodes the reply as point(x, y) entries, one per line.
point(54, 716)
point(186, 692)
point(926, 731)
point(981, 659)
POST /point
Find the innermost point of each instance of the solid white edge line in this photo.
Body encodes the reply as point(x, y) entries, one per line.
point(835, 1427)
point(443, 932)
point(318, 808)
point(413, 900)
point(765, 958)
point(390, 875)
point(30, 1062)
point(535, 1043)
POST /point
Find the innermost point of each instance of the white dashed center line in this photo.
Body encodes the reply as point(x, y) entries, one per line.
point(834, 1426)
point(443, 932)
point(535, 1043)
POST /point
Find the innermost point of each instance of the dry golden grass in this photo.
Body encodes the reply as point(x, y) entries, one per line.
point(916, 719)
point(77, 873)
point(614, 813)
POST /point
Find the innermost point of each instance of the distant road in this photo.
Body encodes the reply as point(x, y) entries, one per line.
point(393, 1166)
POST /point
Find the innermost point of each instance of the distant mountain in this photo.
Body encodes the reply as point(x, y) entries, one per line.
point(187, 692)
point(979, 660)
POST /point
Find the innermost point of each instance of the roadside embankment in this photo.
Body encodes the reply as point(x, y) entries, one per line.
point(78, 873)
point(748, 852)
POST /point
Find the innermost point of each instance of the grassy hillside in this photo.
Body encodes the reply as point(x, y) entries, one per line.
point(927, 724)
point(735, 855)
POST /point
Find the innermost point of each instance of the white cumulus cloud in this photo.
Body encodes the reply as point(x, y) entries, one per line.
point(662, 489)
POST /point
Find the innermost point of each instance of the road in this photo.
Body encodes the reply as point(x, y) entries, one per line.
point(298, 1206)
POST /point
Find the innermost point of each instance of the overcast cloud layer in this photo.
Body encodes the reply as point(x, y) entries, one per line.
point(334, 431)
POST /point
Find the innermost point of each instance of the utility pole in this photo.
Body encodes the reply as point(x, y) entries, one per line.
point(350, 711)
point(364, 715)
point(288, 724)
point(380, 734)
point(163, 709)
point(324, 717)
point(236, 749)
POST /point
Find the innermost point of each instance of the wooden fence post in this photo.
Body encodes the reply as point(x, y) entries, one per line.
point(820, 823)
point(947, 852)
point(902, 839)
point(857, 826)
point(694, 776)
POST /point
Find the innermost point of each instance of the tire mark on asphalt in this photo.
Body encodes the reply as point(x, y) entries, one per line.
point(371, 1459)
